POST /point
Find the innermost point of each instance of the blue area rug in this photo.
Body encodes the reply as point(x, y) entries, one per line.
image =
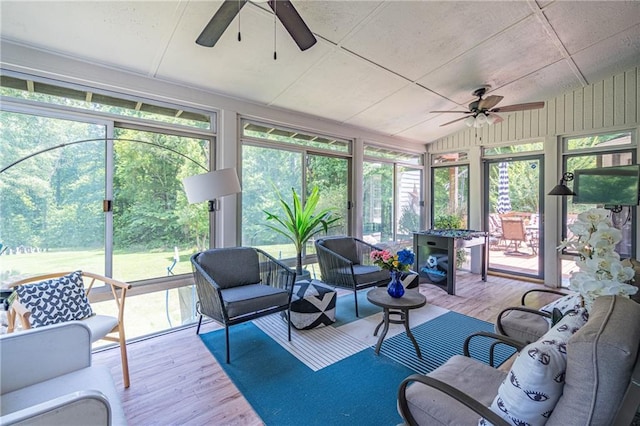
point(440, 339)
point(360, 389)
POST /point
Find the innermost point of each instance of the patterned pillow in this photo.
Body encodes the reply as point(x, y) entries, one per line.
point(55, 300)
point(563, 304)
point(535, 382)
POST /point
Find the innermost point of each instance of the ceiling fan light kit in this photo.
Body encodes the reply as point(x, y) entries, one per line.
point(484, 111)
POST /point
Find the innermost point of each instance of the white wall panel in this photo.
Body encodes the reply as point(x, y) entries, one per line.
point(612, 102)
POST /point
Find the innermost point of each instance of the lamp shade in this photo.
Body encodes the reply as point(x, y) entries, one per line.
point(212, 185)
point(561, 189)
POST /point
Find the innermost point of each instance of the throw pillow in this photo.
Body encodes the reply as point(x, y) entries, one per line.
point(535, 382)
point(55, 300)
point(563, 304)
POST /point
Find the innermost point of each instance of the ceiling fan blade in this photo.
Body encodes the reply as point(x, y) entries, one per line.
point(489, 102)
point(453, 121)
point(461, 112)
point(293, 23)
point(519, 107)
point(495, 118)
point(219, 23)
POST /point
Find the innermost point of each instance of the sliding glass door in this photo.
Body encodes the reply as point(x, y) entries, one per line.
point(513, 206)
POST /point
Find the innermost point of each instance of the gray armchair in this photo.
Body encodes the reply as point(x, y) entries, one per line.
point(240, 284)
point(345, 262)
point(601, 381)
point(525, 323)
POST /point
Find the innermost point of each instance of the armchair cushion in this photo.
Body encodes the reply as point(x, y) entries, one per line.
point(246, 259)
point(55, 300)
point(345, 247)
point(523, 326)
point(366, 274)
point(536, 379)
point(432, 407)
point(253, 298)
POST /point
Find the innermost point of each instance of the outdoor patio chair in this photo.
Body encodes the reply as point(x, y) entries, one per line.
point(39, 307)
point(345, 262)
point(240, 284)
point(599, 364)
point(513, 231)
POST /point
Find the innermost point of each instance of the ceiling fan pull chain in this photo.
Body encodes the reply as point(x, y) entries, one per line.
point(239, 7)
point(275, 7)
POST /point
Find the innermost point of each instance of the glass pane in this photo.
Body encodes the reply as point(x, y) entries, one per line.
point(51, 215)
point(89, 100)
point(404, 157)
point(510, 149)
point(295, 137)
point(331, 175)
point(408, 213)
point(622, 220)
point(155, 229)
point(265, 172)
point(450, 197)
point(599, 141)
point(377, 208)
point(450, 157)
point(514, 216)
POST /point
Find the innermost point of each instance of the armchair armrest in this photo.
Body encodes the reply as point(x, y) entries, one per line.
point(540, 290)
point(518, 308)
point(498, 340)
point(56, 349)
point(447, 389)
point(209, 295)
point(274, 272)
point(76, 408)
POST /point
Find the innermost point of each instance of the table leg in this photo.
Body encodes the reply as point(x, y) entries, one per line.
point(410, 334)
point(385, 320)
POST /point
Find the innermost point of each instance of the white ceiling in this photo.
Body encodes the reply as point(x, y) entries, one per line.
point(380, 65)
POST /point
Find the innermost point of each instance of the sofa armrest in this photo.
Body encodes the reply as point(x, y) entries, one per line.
point(87, 407)
point(55, 350)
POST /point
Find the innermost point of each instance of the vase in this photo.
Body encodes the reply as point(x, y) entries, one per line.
point(395, 288)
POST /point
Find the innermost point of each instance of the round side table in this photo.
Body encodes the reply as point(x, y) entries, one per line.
point(399, 307)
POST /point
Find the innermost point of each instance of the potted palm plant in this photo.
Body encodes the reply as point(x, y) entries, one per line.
point(300, 222)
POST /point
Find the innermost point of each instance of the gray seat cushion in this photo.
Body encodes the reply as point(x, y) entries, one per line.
point(253, 298)
point(523, 326)
point(476, 379)
point(231, 267)
point(600, 359)
point(344, 246)
point(367, 274)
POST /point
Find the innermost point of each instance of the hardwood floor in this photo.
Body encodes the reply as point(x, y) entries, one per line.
point(176, 381)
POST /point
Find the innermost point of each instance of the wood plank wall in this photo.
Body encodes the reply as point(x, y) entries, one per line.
point(610, 103)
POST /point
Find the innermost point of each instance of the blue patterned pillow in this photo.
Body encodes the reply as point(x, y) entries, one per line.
point(55, 300)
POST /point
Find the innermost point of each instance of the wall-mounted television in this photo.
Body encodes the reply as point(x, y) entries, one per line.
point(611, 186)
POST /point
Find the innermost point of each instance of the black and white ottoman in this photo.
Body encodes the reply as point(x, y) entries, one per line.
point(312, 304)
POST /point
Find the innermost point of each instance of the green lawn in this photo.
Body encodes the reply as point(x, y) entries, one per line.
point(144, 314)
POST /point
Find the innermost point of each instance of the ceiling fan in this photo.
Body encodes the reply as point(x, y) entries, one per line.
point(283, 9)
point(484, 110)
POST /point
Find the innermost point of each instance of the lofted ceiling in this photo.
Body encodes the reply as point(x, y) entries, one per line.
point(379, 65)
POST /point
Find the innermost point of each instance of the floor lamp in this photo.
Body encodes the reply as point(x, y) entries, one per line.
point(211, 186)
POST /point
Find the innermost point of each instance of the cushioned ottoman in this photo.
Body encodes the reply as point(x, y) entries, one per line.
point(312, 304)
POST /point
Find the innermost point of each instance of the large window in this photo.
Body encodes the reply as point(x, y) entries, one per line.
point(450, 195)
point(392, 196)
point(606, 150)
point(91, 181)
point(278, 160)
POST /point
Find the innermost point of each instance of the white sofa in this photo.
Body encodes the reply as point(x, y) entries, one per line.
point(48, 379)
